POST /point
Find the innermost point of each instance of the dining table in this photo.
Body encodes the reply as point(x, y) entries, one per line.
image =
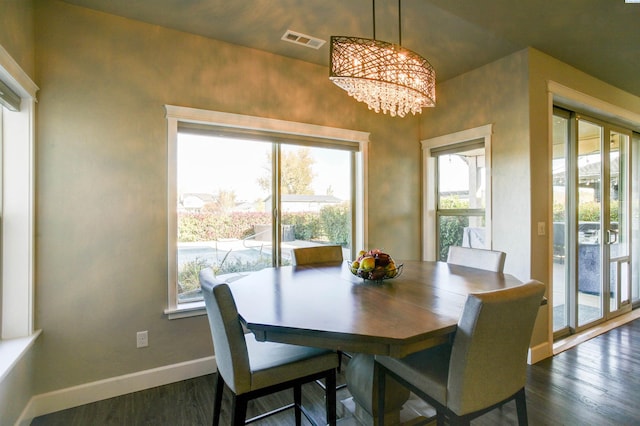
point(327, 306)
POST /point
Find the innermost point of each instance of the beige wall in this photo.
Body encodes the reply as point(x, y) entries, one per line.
point(102, 178)
point(16, 32)
point(16, 37)
point(495, 94)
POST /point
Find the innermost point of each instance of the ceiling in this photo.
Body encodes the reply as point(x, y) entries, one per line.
point(599, 37)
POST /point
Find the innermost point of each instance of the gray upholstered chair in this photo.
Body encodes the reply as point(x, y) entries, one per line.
point(251, 369)
point(317, 255)
point(484, 367)
point(489, 260)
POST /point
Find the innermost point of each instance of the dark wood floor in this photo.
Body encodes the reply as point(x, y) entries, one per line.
point(595, 383)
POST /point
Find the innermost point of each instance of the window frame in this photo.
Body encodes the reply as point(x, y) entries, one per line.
point(17, 217)
point(430, 184)
point(264, 126)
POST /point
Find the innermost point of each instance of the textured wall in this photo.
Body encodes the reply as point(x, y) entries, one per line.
point(495, 94)
point(102, 178)
point(16, 32)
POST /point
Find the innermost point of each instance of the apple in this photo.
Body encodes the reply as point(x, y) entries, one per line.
point(382, 259)
point(367, 263)
point(378, 273)
point(391, 270)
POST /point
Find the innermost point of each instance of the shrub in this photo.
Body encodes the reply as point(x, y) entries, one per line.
point(306, 224)
point(587, 212)
point(210, 226)
point(332, 223)
point(188, 275)
point(336, 223)
point(451, 229)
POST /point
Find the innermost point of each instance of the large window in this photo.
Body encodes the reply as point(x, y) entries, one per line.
point(457, 192)
point(243, 197)
point(460, 194)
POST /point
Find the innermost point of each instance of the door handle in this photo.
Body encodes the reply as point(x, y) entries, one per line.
point(612, 236)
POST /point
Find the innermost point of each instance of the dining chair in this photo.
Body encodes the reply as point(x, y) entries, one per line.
point(489, 260)
point(315, 255)
point(251, 369)
point(483, 368)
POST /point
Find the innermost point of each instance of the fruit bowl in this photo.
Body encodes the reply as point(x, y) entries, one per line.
point(375, 265)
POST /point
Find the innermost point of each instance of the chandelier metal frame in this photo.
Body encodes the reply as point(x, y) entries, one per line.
point(386, 76)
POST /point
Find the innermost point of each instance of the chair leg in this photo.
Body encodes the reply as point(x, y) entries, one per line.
point(459, 421)
point(330, 398)
point(521, 405)
point(218, 387)
point(297, 402)
point(238, 410)
point(380, 372)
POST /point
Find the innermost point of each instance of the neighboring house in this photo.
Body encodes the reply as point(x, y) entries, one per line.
point(194, 202)
point(304, 203)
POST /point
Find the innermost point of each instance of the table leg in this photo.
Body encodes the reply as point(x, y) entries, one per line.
point(363, 386)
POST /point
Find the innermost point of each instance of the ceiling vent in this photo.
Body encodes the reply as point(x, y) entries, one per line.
point(302, 39)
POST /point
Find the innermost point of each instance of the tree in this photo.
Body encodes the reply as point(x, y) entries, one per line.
point(296, 168)
point(224, 203)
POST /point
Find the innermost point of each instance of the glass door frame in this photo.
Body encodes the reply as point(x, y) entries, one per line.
point(623, 234)
point(571, 221)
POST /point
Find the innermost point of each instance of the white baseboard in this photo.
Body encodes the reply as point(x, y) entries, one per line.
point(108, 388)
point(539, 352)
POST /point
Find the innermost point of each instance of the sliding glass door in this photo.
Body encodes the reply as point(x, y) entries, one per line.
point(591, 232)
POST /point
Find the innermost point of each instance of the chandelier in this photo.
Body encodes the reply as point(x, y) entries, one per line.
point(386, 76)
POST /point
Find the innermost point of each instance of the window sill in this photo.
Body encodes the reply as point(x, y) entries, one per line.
point(11, 350)
point(186, 310)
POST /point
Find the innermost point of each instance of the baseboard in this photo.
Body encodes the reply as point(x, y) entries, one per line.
point(539, 352)
point(115, 386)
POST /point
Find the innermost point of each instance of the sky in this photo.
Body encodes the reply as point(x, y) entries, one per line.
point(208, 165)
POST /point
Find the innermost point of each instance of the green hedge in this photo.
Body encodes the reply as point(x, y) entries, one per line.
point(587, 212)
point(451, 230)
point(332, 224)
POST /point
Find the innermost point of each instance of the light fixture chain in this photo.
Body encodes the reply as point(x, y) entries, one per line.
point(399, 22)
point(374, 18)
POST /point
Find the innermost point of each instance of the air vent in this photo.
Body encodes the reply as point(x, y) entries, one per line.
point(302, 39)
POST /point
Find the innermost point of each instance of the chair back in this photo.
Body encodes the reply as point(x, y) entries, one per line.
point(489, 260)
point(489, 354)
point(229, 344)
point(317, 255)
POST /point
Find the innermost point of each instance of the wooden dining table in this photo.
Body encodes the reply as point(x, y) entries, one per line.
point(327, 306)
